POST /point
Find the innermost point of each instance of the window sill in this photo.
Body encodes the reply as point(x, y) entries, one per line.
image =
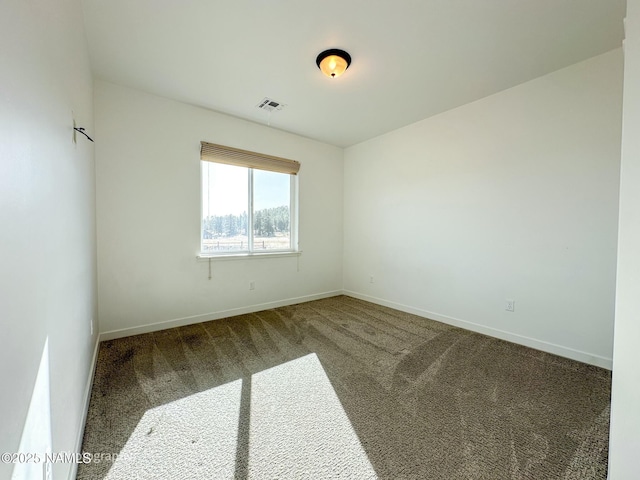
point(241, 256)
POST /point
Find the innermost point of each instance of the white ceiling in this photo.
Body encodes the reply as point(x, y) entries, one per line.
point(411, 58)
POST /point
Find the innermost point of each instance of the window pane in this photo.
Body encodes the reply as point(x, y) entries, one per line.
point(272, 211)
point(225, 199)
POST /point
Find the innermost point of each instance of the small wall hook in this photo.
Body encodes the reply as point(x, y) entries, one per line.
point(81, 130)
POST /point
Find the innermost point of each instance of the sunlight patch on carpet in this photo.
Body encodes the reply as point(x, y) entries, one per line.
point(194, 437)
point(283, 422)
point(299, 428)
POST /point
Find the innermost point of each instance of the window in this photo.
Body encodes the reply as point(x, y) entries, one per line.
point(248, 202)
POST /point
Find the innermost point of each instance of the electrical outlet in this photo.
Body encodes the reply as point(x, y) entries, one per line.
point(371, 279)
point(252, 285)
point(510, 305)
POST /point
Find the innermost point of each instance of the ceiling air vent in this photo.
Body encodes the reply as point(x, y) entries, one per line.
point(270, 105)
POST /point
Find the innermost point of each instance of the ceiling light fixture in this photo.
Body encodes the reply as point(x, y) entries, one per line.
point(333, 62)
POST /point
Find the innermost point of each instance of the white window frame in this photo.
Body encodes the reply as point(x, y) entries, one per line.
point(251, 251)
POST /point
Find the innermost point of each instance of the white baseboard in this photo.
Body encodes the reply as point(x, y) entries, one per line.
point(73, 471)
point(181, 322)
point(542, 345)
point(548, 347)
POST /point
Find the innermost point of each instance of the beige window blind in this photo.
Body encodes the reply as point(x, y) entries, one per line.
point(210, 152)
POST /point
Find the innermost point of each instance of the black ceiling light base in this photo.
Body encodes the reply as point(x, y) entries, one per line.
point(343, 62)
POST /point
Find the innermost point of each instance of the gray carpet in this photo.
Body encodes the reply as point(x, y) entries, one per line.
point(341, 388)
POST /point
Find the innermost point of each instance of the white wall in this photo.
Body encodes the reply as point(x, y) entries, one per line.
point(625, 400)
point(148, 208)
point(510, 197)
point(47, 229)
